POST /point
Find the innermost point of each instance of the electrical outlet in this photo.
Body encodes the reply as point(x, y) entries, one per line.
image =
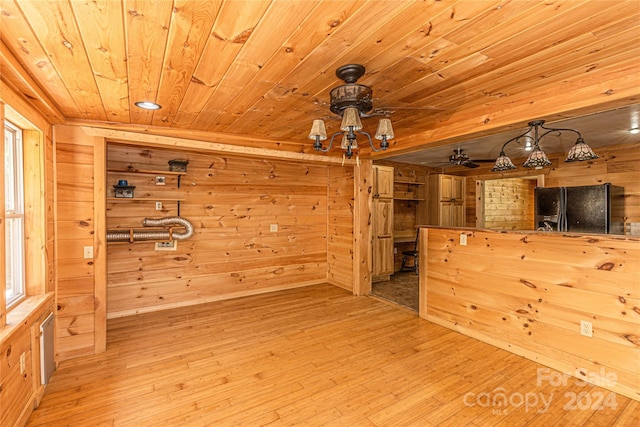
point(167, 246)
point(88, 252)
point(463, 239)
point(586, 328)
point(395, 251)
point(273, 228)
point(23, 363)
point(158, 206)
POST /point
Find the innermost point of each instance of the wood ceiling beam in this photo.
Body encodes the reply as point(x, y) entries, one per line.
point(21, 82)
point(204, 146)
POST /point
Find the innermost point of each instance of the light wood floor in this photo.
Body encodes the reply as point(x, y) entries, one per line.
point(311, 356)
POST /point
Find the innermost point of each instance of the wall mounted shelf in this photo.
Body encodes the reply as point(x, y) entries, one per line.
point(143, 199)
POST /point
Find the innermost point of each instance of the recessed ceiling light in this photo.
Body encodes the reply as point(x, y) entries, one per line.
point(148, 105)
point(633, 131)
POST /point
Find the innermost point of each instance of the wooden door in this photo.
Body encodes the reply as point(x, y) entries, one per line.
point(382, 182)
point(382, 237)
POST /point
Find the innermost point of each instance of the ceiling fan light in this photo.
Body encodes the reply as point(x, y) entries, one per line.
point(537, 159)
point(351, 119)
point(580, 152)
point(385, 130)
point(346, 143)
point(318, 131)
point(503, 163)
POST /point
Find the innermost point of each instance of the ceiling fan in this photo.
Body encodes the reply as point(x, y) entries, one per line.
point(461, 159)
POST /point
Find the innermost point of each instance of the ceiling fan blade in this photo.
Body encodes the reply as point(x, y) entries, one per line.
point(470, 165)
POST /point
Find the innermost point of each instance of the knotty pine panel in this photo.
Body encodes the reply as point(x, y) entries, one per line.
point(232, 202)
point(74, 229)
point(509, 204)
point(528, 292)
point(50, 211)
point(340, 233)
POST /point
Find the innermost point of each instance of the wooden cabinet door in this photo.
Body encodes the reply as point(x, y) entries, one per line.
point(451, 214)
point(382, 237)
point(457, 188)
point(446, 200)
point(446, 188)
point(457, 214)
point(451, 188)
point(445, 214)
point(382, 182)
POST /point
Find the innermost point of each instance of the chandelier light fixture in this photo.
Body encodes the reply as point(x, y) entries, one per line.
point(537, 158)
point(351, 101)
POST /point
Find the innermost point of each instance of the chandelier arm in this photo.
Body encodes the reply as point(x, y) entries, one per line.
point(559, 130)
point(516, 139)
point(318, 145)
point(383, 144)
point(361, 132)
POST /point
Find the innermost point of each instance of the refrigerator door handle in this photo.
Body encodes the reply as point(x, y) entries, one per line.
point(562, 220)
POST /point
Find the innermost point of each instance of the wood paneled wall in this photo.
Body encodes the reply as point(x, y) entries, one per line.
point(527, 292)
point(21, 391)
point(508, 204)
point(618, 164)
point(77, 321)
point(340, 223)
point(232, 202)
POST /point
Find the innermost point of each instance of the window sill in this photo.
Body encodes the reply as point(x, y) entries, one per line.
point(24, 313)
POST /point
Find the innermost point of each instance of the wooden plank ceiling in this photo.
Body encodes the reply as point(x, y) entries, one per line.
point(262, 70)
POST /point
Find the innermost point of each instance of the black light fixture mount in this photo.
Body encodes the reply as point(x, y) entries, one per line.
point(538, 159)
point(351, 100)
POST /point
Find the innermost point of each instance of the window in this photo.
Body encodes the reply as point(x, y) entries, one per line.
point(14, 214)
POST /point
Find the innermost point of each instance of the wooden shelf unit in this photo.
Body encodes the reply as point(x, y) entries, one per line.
point(408, 190)
point(147, 199)
point(145, 172)
point(143, 199)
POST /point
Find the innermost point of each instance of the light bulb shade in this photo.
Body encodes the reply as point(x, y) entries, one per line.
point(580, 152)
point(318, 130)
point(351, 119)
point(503, 163)
point(384, 129)
point(345, 144)
point(537, 159)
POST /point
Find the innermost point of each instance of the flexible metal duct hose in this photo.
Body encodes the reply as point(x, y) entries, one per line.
point(145, 235)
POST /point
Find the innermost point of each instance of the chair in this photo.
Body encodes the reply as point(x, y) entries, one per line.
point(414, 253)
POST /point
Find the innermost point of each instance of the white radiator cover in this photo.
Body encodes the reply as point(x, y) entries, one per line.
point(47, 361)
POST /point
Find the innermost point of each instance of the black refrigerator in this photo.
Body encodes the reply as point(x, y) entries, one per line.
point(588, 209)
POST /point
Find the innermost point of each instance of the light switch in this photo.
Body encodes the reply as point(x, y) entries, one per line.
point(88, 252)
point(463, 239)
point(273, 228)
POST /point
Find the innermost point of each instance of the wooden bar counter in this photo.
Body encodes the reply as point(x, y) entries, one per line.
point(527, 292)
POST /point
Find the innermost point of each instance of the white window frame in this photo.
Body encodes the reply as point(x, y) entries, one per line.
point(15, 289)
